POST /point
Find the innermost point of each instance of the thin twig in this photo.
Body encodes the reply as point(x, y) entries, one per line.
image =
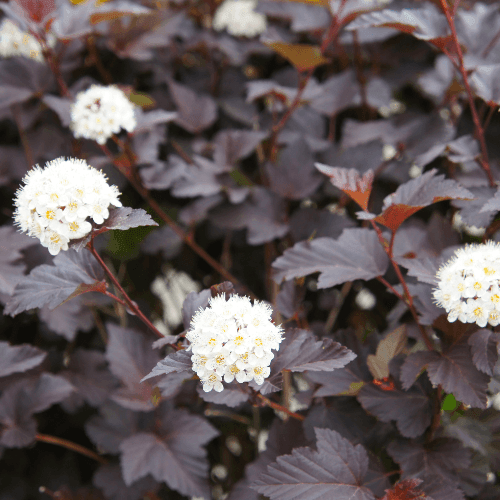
point(409, 299)
point(484, 162)
point(15, 109)
point(173, 225)
point(332, 316)
point(278, 407)
point(130, 303)
point(45, 438)
point(331, 35)
point(227, 414)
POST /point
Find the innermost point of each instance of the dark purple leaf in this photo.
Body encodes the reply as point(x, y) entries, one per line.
point(68, 318)
point(303, 16)
point(146, 121)
point(278, 443)
point(109, 479)
point(483, 344)
point(196, 112)
point(119, 218)
point(262, 213)
point(300, 351)
point(52, 285)
point(25, 75)
point(130, 358)
point(414, 365)
point(453, 369)
point(175, 455)
point(125, 218)
point(438, 461)
point(416, 194)
point(172, 384)
point(234, 145)
point(24, 398)
point(61, 105)
point(163, 175)
point(307, 222)
point(473, 212)
point(231, 396)
point(357, 254)
point(12, 95)
point(112, 426)
point(336, 94)
point(164, 240)
point(72, 21)
point(198, 178)
point(293, 176)
point(485, 81)
point(412, 410)
point(19, 358)
point(336, 470)
point(426, 23)
point(87, 371)
point(192, 303)
point(179, 361)
point(11, 244)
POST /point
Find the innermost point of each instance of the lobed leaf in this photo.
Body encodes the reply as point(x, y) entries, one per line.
point(300, 351)
point(412, 410)
point(130, 358)
point(179, 361)
point(174, 455)
point(337, 470)
point(52, 285)
point(453, 369)
point(357, 254)
point(195, 112)
point(426, 23)
point(416, 194)
point(14, 359)
point(350, 182)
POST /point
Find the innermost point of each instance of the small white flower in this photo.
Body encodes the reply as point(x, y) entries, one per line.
point(469, 285)
point(212, 381)
point(51, 205)
point(15, 42)
point(101, 111)
point(232, 339)
point(239, 18)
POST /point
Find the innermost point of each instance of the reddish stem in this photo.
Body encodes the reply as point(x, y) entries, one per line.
point(129, 302)
point(45, 438)
point(331, 35)
point(168, 220)
point(409, 298)
point(278, 407)
point(484, 162)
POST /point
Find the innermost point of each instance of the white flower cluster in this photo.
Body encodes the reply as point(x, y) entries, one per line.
point(469, 285)
point(233, 340)
point(55, 201)
point(14, 42)
point(101, 111)
point(239, 18)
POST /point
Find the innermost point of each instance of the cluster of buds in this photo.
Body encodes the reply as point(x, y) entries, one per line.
point(469, 285)
point(55, 202)
point(232, 340)
point(101, 111)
